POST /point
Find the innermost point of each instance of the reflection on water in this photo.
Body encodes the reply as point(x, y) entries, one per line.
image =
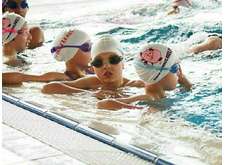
point(188, 128)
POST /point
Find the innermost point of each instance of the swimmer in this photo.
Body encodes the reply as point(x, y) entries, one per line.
point(15, 38)
point(213, 42)
point(159, 68)
point(107, 61)
point(175, 6)
point(21, 7)
point(71, 46)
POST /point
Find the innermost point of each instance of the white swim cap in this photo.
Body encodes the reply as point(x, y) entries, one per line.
point(11, 24)
point(154, 62)
point(69, 37)
point(185, 3)
point(106, 43)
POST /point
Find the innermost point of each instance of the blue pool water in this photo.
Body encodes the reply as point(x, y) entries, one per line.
point(148, 23)
point(137, 23)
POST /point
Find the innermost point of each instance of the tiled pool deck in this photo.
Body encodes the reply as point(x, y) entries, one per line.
point(21, 149)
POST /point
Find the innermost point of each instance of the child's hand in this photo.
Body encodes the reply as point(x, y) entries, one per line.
point(103, 94)
point(136, 83)
point(184, 81)
point(152, 110)
point(112, 104)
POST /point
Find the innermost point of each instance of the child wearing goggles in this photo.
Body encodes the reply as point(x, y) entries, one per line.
point(107, 63)
point(158, 67)
point(76, 58)
point(21, 7)
point(15, 38)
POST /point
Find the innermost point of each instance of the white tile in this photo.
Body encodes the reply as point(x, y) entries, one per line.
point(21, 149)
point(10, 157)
point(59, 160)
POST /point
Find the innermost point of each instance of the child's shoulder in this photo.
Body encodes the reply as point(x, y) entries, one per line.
point(134, 83)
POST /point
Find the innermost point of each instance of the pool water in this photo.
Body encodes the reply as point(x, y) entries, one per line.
point(188, 128)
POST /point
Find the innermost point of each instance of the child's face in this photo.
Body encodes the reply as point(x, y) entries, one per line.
point(22, 39)
point(19, 7)
point(110, 69)
point(81, 59)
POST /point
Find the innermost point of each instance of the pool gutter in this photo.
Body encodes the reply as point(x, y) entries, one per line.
point(77, 127)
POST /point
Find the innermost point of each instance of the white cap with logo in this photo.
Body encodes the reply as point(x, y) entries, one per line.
point(69, 37)
point(11, 24)
point(154, 62)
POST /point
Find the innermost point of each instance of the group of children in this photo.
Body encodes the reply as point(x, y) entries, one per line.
point(94, 67)
point(18, 25)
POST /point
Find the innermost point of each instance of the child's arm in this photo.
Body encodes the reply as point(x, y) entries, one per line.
point(132, 99)
point(184, 81)
point(136, 83)
point(46, 77)
point(211, 43)
point(60, 88)
point(68, 87)
point(18, 78)
point(115, 104)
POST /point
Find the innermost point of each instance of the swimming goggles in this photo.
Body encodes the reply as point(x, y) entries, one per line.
point(173, 69)
point(13, 5)
point(85, 47)
point(113, 60)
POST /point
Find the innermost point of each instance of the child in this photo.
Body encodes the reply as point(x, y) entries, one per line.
point(21, 7)
point(213, 42)
point(177, 3)
point(15, 38)
point(107, 57)
point(71, 46)
point(159, 68)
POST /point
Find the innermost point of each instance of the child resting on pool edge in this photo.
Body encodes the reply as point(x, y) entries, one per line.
point(71, 46)
point(15, 38)
point(159, 68)
point(107, 62)
point(21, 8)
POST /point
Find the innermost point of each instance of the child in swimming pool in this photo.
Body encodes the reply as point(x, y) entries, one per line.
point(15, 38)
point(159, 68)
point(175, 6)
point(21, 7)
point(107, 63)
point(71, 46)
point(213, 42)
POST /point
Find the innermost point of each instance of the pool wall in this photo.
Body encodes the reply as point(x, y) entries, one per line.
point(74, 139)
